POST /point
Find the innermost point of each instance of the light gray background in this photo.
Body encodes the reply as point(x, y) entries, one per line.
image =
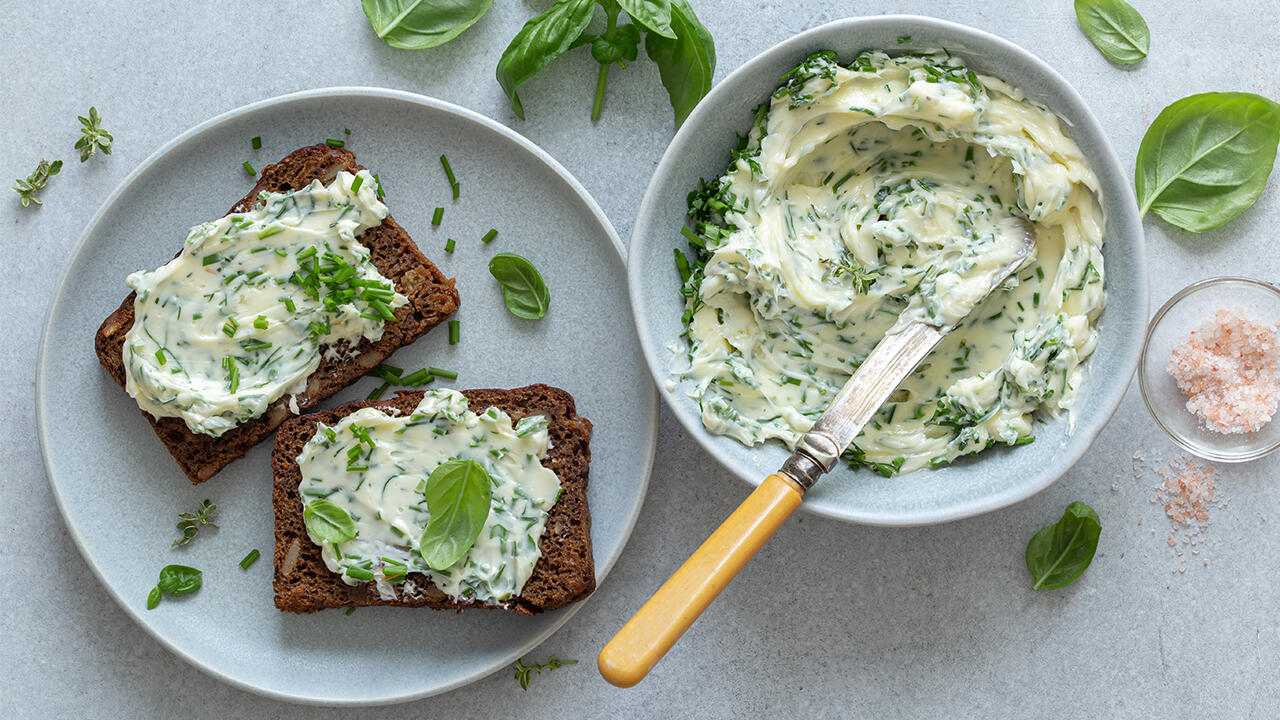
point(830, 619)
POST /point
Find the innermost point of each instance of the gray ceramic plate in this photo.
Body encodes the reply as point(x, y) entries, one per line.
point(998, 477)
point(120, 491)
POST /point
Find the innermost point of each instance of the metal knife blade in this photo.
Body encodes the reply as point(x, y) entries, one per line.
point(890, 362)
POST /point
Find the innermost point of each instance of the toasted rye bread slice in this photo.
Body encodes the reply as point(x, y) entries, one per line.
point(564, 574)
point(432, 298)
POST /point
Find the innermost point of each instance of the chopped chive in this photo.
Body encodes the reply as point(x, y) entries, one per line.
point(382, 309)
point(288, 305)
point(449, 245)
point(350, 610)
point(249, 168)
point(281, 252)
point(256, 142)
point(489, 236)
point(448, 171)
point(160, 355)
point(334, 143)
point(356, 183)
point(442, 373)
point(437, 216)
point(791, 380)
point(377, 181)
point(358, 573)
point(233, 374)
point(377, 393)
point(416, 378)
point(250, 559)
point(229, 327)
point(455, 327)
point(260, 322)
point(306, 253)
point(210, 259)
point(273, 230)
point(346, 131)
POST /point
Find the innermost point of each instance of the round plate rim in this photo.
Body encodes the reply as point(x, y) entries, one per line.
point(59, 292)
point(1126, 204)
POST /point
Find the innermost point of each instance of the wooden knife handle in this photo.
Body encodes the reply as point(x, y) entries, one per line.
point(651, 632)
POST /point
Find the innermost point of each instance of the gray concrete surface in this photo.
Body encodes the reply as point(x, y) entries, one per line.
point(831, 619)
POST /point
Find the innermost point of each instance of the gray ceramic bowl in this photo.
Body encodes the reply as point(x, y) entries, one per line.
point(998, 477)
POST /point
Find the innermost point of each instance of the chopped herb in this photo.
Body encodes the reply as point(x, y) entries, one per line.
point(334, 143)
point(449, 245)
point(210, 259)
point(92, 137)
point(524, 673)
point(356, 183)
point(489, 236)
point(350, 610)
point(448, 171)
point(256, 142)
point(28, 190)
point(454, 329)
point(248, 168)
point(230, 326)
point(437, 372)
point(437, 216)
point(260, 322)
point(377, 181)
point(189, 522)
point(250, 559)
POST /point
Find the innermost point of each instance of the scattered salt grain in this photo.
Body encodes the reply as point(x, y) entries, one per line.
point(1227, 369)
point(1187, 492)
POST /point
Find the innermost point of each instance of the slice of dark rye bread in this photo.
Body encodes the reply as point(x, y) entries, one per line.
point(564, 574)
point(432, 298)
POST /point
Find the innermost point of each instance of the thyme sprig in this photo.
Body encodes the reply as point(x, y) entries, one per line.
point(92, 136)
point(524, 673)
point(189, 522)
point(29, 188)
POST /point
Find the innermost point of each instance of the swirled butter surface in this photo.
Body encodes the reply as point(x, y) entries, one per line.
point(878, 193)
point(374, 466)
point(238, 319)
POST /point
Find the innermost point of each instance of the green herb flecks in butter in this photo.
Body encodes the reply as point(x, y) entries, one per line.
point(384, 495)
point(239, 318)
point(868, 196)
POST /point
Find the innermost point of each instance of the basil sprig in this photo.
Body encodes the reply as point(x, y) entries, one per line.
point(175, 580)
point(327, 522)
point(523, 291)
point(457, 494)
point(1060, 553)
point(421, 24)
point(1206, 158)
point(674, 38)
point(1115, 28)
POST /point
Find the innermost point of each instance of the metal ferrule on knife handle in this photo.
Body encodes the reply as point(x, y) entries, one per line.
point(892, 360)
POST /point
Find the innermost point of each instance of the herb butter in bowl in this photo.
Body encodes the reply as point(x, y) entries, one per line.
point(881, 177)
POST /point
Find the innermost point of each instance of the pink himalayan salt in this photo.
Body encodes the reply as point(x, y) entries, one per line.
point(1187, 492)
point(1227, 369)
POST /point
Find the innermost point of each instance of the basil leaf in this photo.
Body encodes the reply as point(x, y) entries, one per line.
point(523, 291)
point(421, 24)
point(153, 598)
point(1115, 28)
point(654, 15)
point(543, 39)
point(457, 494)
point(327, 522)
point(1206, 158)
point(687, 63)
point(1060, 553)
point(178, 580)
point(618, 45)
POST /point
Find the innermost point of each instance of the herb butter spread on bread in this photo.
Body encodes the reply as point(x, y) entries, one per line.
point(367, 482)
point(431, 298)
point(238, 318)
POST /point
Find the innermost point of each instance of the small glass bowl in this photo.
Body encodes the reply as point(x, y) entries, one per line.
point(1185, 312)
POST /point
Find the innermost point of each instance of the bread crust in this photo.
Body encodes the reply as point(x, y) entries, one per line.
point(432, 298)
point(564, 574)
